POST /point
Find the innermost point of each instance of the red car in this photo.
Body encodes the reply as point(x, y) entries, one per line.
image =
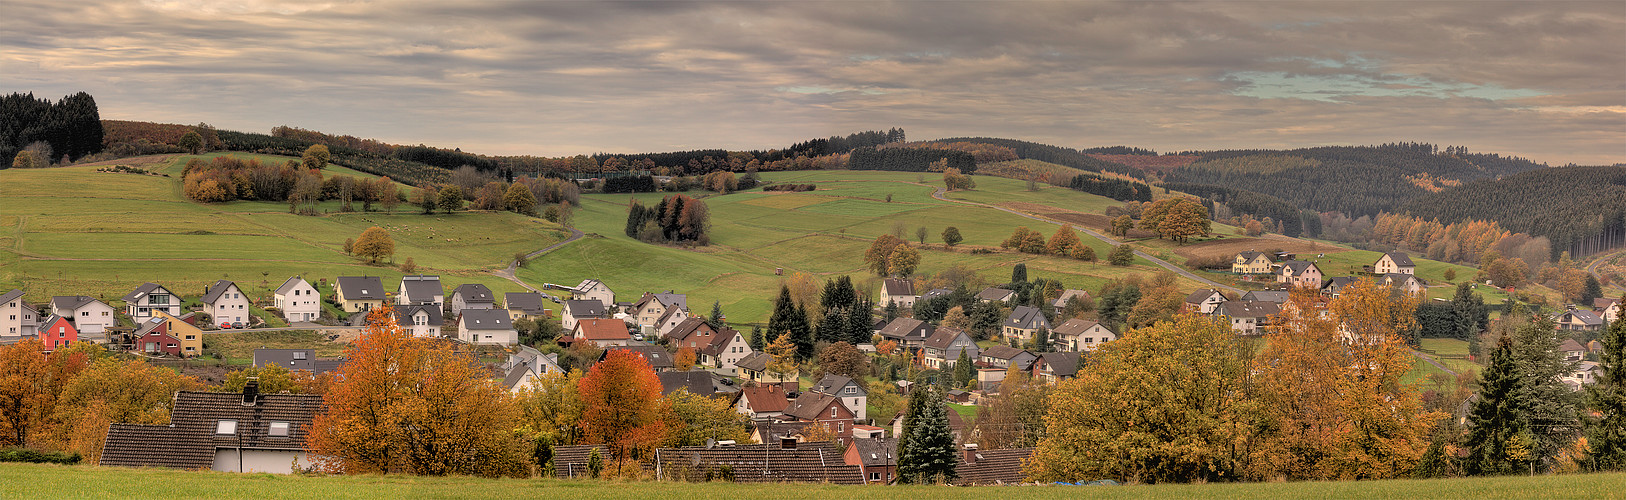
point(225, 326)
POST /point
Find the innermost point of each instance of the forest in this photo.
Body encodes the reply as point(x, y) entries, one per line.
point(1580, 209)
point(1117, 189)
point(1241, 201)
point(67, 129)
point(1054, 154)
point(909, 159)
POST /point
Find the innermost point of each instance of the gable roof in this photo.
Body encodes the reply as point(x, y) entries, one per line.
point(811, 405)
point(190, 439)
point(1586, 317)
point(288, 286)
point(666, 299)
point(1400, 258)
point(765, 398)
point(944, 338)
point(421, 287)
point(1073, 326)
point(656, 356)
point(361, 288)
point(1248, 309)
point(15, 294)
point(587, 284)
point(61, 303)
point(876, 451)
point(140, 291)
point(1249, 255)
point(1063, 364)
point(527, 302)
point(907, 329)
point(1297, 267)
point(1570, 345)
point(603, 329)
point(216, 290)
point(485, 319)
point(832, 384)
point(1027, 318)
point(697, 382)
point(994, 293)
point(287, 359)
point(757, 361)
point(1004, 352)
point(811, 462)
point(898, 287)
point(936, 292)
point(584, 308)
point(993, 467)
point(475, 293)
point(404, 314)
point(1276, 296)
point(720, 341)
point(1337, 283)
point(1199, 296)
point(1067, 295)
point(687, 327)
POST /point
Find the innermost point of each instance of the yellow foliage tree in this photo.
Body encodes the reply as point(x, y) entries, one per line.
point(375, 244)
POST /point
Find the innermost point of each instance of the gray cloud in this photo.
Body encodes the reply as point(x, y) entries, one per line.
point(1536, 79)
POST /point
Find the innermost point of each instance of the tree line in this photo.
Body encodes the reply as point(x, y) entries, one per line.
point(1117, 189)
point(676, 219)
point(1569, 206)
point(1054, 154)
point(909, 159)
point(49, 132)
point(1260, 206)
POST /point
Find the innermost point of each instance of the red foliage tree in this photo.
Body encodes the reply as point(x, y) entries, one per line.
point(624, 409)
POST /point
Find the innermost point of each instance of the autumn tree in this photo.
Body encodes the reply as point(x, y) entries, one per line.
point(401, 403)
point(903, 261)
point(1122, 225)
point(879, 254)
point(953, 180)
point(427, 198)
point(1015, 417)
point(31, 383)
point(375, 244)
point(1121, 255)
point(1158, 405)
point(951, 236)
point(841, 358)
point(1062, 242)
point(450, 199)
point(624, 409)
point(519, 199)
point(273, 379)
point(684, 359)
point(1177, 219)
point(113, 391)
point(316, 157)
point(1606, 429)
point(790, 320)
point(804, 292)
point(783, 353)
point(695, 420)
point(191, 141)
point(551, 412)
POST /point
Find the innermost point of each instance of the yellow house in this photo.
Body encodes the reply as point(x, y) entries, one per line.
point(1251, 262)
point(359, 293)
point(191, 337)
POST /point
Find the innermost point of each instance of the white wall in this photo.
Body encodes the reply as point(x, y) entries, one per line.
point(275, 462)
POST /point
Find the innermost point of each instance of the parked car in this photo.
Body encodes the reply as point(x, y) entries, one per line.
point(225, 326)
point(237, 324)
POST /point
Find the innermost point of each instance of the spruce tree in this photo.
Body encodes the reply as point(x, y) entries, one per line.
point(756, 338)
point(931, 454)
point(1552, 407)
point(832, 327)
point(1606, 433)
point(792, 320)
point(1497, 428)
point(860, 323)
point(891, 311)
point(911, 416)
point(716, 319)
point(1019, 273)
point(964, 373)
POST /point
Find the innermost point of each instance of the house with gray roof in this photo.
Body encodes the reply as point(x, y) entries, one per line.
point(421, 289)
point(1247, 317)
point(524, 305)
point(1393, 263)
point(298, 300)
point(421, 320)
point(995, 294)
point(295, 360)
point(944, 347)
point(149, 297)
point(486, 326)
point(1024, 323)
point(909, 333)
point(577, 310)
point(229, 432)
point(526, 365)
point(225, 302)
point(898, 291)
point(91, 316)
point(473, 296)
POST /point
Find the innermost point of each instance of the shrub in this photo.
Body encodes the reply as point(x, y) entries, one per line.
point(795, 188)
point(38, 457)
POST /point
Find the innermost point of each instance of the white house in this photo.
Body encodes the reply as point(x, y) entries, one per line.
point(89, 315)
point(725, 351)
point(226, 432)
point(421, 289)
point(473, 296)
point(943, 348)
point(576, 310)
point(149, 297)
point(898, 291)
point(1394, 263)
point(849, 392)
point(652, 307)
point(17, 318)
point(421, 320)
point(1204, 301)
point(298, 300)
point(486, 326)
point(527, 365)
point(226, 303)
point(591, 289)
point(1080, 335)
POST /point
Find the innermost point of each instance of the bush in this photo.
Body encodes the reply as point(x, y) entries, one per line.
point(1213, 262)
point(38, 457)
point(795, 188)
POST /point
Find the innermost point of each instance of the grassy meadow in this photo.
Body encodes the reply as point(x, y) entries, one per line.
point(29, 481)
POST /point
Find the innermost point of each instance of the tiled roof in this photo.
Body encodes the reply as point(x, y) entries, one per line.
point(1199, 296)
point(765, 398)
point(1067, 295)
point(831, 384)
point(527, 302)
point(404, 314)
point(66, 303)
point(756, 361)
point(1073, 326)
point(719, 342)
point(475, 293)
point(1003, 352)
point(420, 288)
point(189, 441)
point(1248, 309)
point(1297, 267)
point(697, 382)
point(1027, 318)
point(759, 463)
point(361, 287)
point(584, 308)
point(1061, 364)
point(898, 287)
point(287, 358)
point(15, 294)
point(1401, 259)
point(571, 461)
point(907, 329)
point(139, 292)
point(603, 329)
point(993, 467)
point(687, 327)
point(944, 338)
point(288, 286)
point(1278, 297)
point(876, 451)
point(810, 405)
point(486, 319)
point(657, 357)
point(215, 291)
point(994, 294)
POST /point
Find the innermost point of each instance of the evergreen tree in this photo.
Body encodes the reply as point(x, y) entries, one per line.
point(985, 320)
point(964, 372)
point(1606, 433)
point(1593, 290)
point(756, 338)
point(838, 294)
point(832, 327)
point(1499, 439)
point(1468, 312)
point(929, 455)
point(890, 312)
point(1019, 273)
point(716, 319)
point(1041, 341)
point(1553, 408)
point(860, 324)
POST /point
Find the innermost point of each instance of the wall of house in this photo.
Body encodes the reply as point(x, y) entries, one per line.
point(274, 462)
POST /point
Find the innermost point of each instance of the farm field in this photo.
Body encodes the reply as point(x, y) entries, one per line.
point(27, 481)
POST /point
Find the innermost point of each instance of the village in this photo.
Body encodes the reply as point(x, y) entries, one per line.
point(801, 429)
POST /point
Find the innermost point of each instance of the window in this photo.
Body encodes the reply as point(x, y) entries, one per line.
point(852, 390)
point(841, 427)
point(104, 313)
point(226, 427)
point(278, 429)
point(84, 313)
point(874, 476)
point(191, 337)
point(832, 411)
point(299, 354)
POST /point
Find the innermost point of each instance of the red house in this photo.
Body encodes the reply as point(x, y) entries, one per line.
point(56, 332)
point(825, 410)
point(153, 338)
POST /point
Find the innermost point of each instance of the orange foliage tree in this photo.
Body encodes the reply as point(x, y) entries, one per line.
point(622, 405)
point(111, 391)
point(30, 382)
point(406, 404)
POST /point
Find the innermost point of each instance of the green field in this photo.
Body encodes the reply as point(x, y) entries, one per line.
point(30, 481)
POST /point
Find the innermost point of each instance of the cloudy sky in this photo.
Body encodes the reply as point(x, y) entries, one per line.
point(1543, 80)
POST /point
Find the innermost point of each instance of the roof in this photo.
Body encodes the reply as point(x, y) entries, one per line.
point(1027, 318)
point(14, 294)
point(759, 463)
point(62, 302)
point(1336, 284)
point(1003, 352)
point(361, 288)
point(907, 329)
point(1063, 364)
point(1568, 345)
point(133, 296)
point(667, 299)
point(831, 384)
point(1400, 258)
point(1248, 255)
point(898, 287)
point(1586, 317)
point(529, 302)
point(584, 308)
point(286, 358)
point(1276, 296)
point(419, 287)
point(288, 286)
point(603, 329)
point(719, 342)
point(1199, 296)
point(189, 441)
point(811, 405)
point(45, 324)
point(697, 382)
point(936, 292)
point(657, 356)
point(994, 293)
point(687, 327)
point(571, 461)
point(404, 314)
point(756, 361)
point(944, 338)
point(765, 398)
point(993, 467)
point(216, 290)
point(1297, 267)
point(589, 283)
point(1073, 326)
point(475, 293)
point(1604, 303)
point(485, 319)
point(876, 451)
point(1248, 309)
point(515, 374)
point(1067, 295)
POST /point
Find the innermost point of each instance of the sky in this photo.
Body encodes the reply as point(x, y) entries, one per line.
point(1542, 80)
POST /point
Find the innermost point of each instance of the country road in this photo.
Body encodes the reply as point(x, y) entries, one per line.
point(508, 273)
point(1592, 268)
point(939, 194)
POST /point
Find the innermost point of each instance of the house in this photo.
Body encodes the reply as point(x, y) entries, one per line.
point(957, 425)
point(1273, 296)
point(691, 333)
point(851, 392)
point(420, 289)
point(653, 307)
point(1300, 274)
point(762, 401)
point(1578, 320)
point(1204, 301)
point(17, 318)
point(993, 294)
point(1584, 373)
point(778, 461)
point(668, 321)
point(1405, 282)
point(224, 302)
point(473, 296)
point(1067, 296)
point(991, 467)
point(1394, 263)
point(421, 320)
point(295, 360)
point(167, 334)
point(228, 432)
point(1247, 317)
point(823, 409)
point(486, 326)
point(526, 365)
point(1005, 357)
point(1571, 351)
point(935, 293)
point(591, 289)
point(1251, 262)
point(876, 458)
point(148, 298)
point(298, 300)
point(578, 310)
point(944, 348)
point(1081, 335)
point(909, 333)
point(697, 382)
point(1054, 367)
point(725, 351)
point(56, 332)
point(1608, 309)
point(1024, 323)
point(898, 291)
point(359, 294)
point(602, 332)
point(754, 367)
point(658, 358)
point(1334, 287)
point(524, 305)
point(92, 317)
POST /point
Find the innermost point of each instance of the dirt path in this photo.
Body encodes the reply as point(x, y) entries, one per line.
point(1431, 361)
point(1592, 269)
point(513, 266)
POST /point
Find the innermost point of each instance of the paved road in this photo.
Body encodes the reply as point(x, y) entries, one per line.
point(1592, 269)
point(939, 194)
point(508, 273)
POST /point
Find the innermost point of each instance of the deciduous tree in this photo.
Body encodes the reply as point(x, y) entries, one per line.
point(903, 261)
point(191, 141)
point(841, 358)
point(951, 236)
point(696, 420)
point(519, 199)
point(316, 157)
point(879, 254)
point(1063, 242)
point(450, 199)
point(1121, 255)
point(375, 244)
point(783, 352)
point(684, 359)
point(111, 391)
point(623, 406)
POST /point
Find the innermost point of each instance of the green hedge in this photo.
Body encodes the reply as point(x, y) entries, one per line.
point(38, 457)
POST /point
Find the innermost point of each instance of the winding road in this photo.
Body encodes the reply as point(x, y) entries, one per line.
point(940, 192)
point(508, 272)
point(1592, 269)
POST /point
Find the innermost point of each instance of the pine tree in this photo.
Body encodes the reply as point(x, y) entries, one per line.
point(964, 373)
point(790, 320)
point(756, 338)
point(1497, 422)
point(930, 455)
point(1606, 433)
point(1019, 273)
point(1553, 409)
point(891, 311)
point(860, 323)
point(832, 327)
point(716, 319)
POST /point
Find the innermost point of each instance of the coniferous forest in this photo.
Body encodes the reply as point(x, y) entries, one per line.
point(1581, 209)
point(68, 128)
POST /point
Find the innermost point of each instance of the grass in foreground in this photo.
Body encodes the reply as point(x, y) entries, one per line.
point(23, 481)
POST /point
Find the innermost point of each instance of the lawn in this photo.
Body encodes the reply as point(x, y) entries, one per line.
point(55, 481)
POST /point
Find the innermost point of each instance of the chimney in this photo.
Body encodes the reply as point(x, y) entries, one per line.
point(970, 453)
point(251, 391)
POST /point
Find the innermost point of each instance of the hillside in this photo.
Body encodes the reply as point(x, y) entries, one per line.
point(1581, 209)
